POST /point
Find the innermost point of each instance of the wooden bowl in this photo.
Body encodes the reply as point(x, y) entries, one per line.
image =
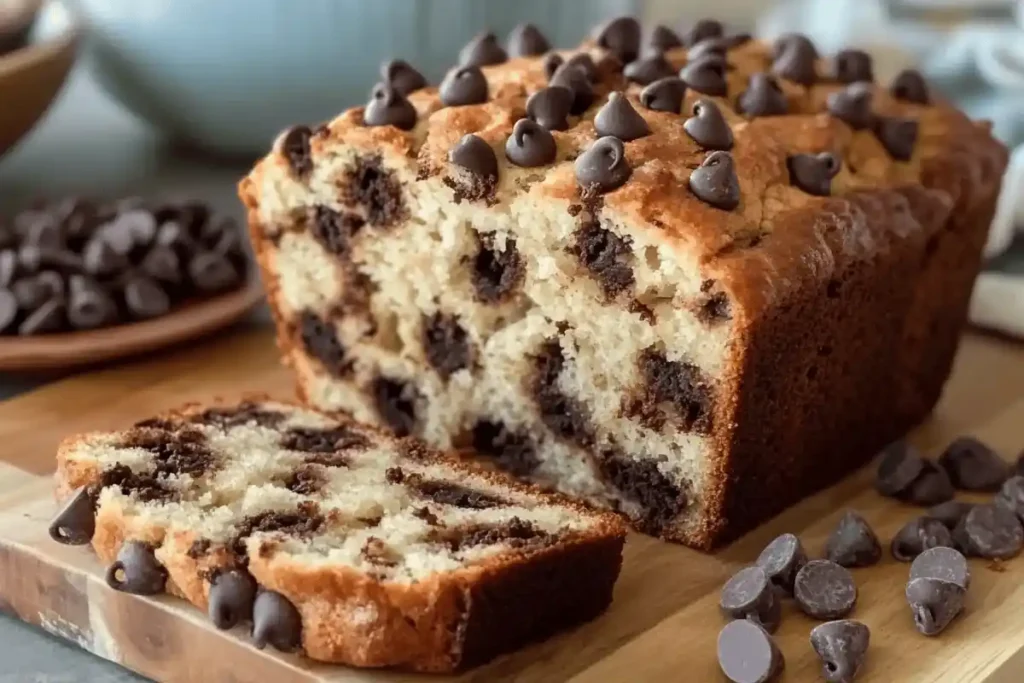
point(74, 349)
point(31, 76)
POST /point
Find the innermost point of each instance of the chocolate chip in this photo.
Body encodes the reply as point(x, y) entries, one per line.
point(919, 535)
point(388, 107)
point(702, 30)
point(8, 267)
point(550, 64)
point(910, 86)
point(717, 47)
point(396, 404)
point(796, 63)
point(787, 40)
point(900, 465)
point(475, 155)
point(564, 415)
point(973, 466)
point(621, 37)
point(76, 521)
point(144, 298)
point(30, 292)
point(174, 235)
point(853, 66)
point(582, 61)
point(1011, 496)
point(482, 50)
point(747, 653)
point(8, 309)
point(813, 173)
point(575, 79)
point(137, 570)
point(605, 255)
point(232, 594)
point(101, 259)
point(603, 165)
point(513, 451)
point(163, 265)
point(531, 145)
point(715, 183)
point(990, 531)
point(294, 145)
point(402, 77)
point(852, 105)
point(782, 559)
point(526, 40)
point(320, 340)
point(496, 273)
point(842, 647)
point(898, 136)
point(950, 513)
point(44, 231)
point(706, 75)
point(664, 95)
point(944, 563)
point(446, 344)
point(550, 107)
point(663, 38)
point(708, 127)
point(825, 590)
point(89, 305)
point(335, 230)
point(931, 487)
point(763, 97)
point(322, 441)
point(463, 85)
point(934, 603)
point(211, 273)
point(137, 226)
point(618, 118)
point(49, 317)
point(749, 595)
point(276, 621)
point(853, 542)
point(646, 70)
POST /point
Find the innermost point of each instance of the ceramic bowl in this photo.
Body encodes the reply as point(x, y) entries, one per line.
point(31, 76)
point(227, 75)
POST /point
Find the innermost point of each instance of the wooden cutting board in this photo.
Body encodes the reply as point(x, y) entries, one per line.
point(662, 625)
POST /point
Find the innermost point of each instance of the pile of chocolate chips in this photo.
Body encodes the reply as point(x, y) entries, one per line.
point(76, 264)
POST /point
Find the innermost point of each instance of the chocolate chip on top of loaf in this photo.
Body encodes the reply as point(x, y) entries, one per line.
point(691, 277)
point(333, 537)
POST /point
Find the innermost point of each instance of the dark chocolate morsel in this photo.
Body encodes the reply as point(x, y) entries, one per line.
point(931, 487)
point(482, 50)
point(550, 107)
point(619, 119)
point(747, 653)
point(551, 62)
point(787, 40)
point(621, 37)
point(603, 165)
point(663, 38)
point(8, 309)
point(842, 646)
point(100, 258)
point(463, 85)
point(49, 317)
point(144, 298)
point(715, 183)
point(664, 95)
point(29, 293)
point(388, 107)
point(1011, 496)
point(898, 136)
point(813, 173)
point(853, 542)
point(530, 145)
point(941, 562)
point(44, 232)
point(76, 521)
point(852, 105)
point(853, 66)
point(89, 305)
point(294, 145)
point(951, 512)
point(526, 40)
point(910, 86)
point(706, 75)
point(585, 63)
point(782, 559)
point(232, 595)
point(402, 76)
point(646, 70)
point(919, 535)
point(717, 47)
point(708, 126)
point(162, 264)
point(575, 79)
point(139, 227)
point(748, 594)
point(763, 97)
point(702, 30)
point(796, 63)
point(900, 465)
point(8, 267)
point(211, 272)
point(934, 603)
point(475, 155)
point(990, 531)
point(825, 590)
point(276, 622)
point(973, 466)
point(137, 570)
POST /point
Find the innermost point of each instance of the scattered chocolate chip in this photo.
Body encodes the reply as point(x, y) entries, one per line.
point(715, 183)
point(944, 563)
point(813, 173)
point(763, 97)
point(89, 305)
point(496, 274)
point(575, 79)
point(550, 107)
point(388, 107)
point(842, 647)
point(232, 594)
point(401, 76)
point(782, 559)
point(163, 265)
point(749, 595)
point(973, 466)
point(702, 30)
point(276, 621)
point(919, 535)
point(473, 154)
point(144, 298)
point(603, 165)
point(446, 344)
point(605, 255)
point(582, 61)
point(795, 63)
point(648, 69)
point(747, 653)
point(853, 66)
point(531, 145)
point(910, 86)
point(482, 50)
point(294, 145)
point(853, 542)
point(550, 64)
point(396, 404)
point(989, 531)
point(137, 570)
point(934, 603)
point(49, 317)
point(898, 136)
point(618, 118)
point(513, 451)
point(708, 126)
point(1011, 496)
point(526, 40)
point(320, 340)
point(8, 267)
point(718, 47)
point(787, 40)
point(663, 38)
point(900, 465)
point(463, 85)
point(101, 259)
point(621, 37)
point(931, 487)
point(665, 94)
point(706, 75)
point(824, 590)
point(950, 513)
point(212, 272)
point(76, 521)
point(852, 105)
point(8, 309)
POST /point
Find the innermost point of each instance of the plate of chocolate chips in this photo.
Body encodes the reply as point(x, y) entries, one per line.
point(83, 281)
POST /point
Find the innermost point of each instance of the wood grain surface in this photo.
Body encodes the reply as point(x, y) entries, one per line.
point(662, 625)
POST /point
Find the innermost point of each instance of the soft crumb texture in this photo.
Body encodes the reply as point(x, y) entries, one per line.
point(694, 368)
point(363, 532)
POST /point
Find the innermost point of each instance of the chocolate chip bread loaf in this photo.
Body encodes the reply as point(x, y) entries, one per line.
point(334, 538)
point(690, 278)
